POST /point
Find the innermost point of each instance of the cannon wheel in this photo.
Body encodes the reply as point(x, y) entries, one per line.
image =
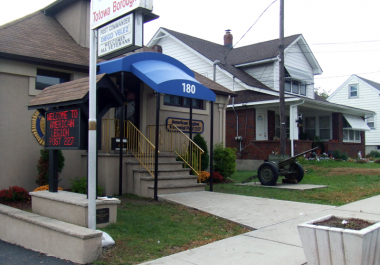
point(300, 172)
point(268, 174)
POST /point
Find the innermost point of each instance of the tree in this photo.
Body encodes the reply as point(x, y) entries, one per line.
point(322, 92)
point(43, 166)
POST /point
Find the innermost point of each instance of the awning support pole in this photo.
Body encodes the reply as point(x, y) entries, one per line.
point(122, 108)
point(158, 95)
point(211, 144)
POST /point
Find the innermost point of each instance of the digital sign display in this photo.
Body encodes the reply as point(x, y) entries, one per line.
point(63, 129)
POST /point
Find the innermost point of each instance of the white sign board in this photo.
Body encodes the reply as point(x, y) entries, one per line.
point(103, 11)
point(115, 36)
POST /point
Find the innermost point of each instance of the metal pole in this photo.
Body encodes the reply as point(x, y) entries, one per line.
point(156, 145)
point(92, 135)
point(53, 170)
point(282, 82)
point(211, 144)
point(121, 138)
point(191, 131)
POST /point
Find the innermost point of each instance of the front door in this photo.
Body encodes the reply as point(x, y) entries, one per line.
point(261, 125)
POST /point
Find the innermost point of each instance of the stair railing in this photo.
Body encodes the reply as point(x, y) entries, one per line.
point(137, 143)
point(173, 140)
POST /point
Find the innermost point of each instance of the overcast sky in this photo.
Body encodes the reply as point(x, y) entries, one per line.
point(344, 35)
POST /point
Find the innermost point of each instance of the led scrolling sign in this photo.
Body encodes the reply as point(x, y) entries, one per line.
point(63, 128)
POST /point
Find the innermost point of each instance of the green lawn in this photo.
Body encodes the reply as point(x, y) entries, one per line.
point(347, 182)
point(148, 230)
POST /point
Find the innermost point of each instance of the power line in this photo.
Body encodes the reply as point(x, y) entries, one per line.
point(250, 28)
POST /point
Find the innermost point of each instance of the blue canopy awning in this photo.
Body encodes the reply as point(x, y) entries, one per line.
point(162, 73)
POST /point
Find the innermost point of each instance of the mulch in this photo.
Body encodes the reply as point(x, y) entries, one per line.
point(353, 223)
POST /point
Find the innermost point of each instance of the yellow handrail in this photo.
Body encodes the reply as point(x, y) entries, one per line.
point(173, 140)
point(137, 143)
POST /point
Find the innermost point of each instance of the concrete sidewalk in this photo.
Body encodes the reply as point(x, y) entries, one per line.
point(276, 239)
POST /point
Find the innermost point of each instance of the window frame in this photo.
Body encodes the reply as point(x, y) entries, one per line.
point(182, 102)
point(324, 128)
point(373, 121)
point(52, 74)
point(289, 84)
point(350, 86)
point(278, 126)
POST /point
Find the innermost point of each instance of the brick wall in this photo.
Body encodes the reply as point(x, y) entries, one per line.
point(252, 149)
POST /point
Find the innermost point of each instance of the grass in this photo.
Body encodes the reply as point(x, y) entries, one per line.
point(347, 182)
point(148, 230)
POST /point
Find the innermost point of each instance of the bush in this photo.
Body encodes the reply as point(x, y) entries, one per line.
point(361, 161)
point(217, 177)
point(337, 154)
point(14, 193)
point(375, 154)
point(377, 161)
point(79, 185)
point(43, 166)
point(203, 177)
point(224, 160)
point(45, 187)
point(201, 142)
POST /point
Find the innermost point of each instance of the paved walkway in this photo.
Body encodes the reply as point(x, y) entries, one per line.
point(276, 239)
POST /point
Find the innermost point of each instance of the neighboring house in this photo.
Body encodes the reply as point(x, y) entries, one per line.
point(253, 73)
point(50, 47)
point(359, 92)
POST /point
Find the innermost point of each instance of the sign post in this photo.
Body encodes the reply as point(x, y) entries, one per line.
point(103, 12)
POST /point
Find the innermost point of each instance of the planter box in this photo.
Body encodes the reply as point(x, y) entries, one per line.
point(325, 245)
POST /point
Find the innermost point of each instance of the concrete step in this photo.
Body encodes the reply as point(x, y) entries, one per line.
point(176, 189)
point(169, 180)
point(163, 165)
point(162, 172)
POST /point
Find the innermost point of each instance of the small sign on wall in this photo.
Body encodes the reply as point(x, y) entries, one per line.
point(184, 124)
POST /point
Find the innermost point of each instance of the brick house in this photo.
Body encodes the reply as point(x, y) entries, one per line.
point(252, 72)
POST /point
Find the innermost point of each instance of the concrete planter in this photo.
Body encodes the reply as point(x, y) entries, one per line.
point(325, 245)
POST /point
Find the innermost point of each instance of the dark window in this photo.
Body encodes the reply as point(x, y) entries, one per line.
point(182, 102)
point(295, 87)
point(303, 89)
point(47, 78)
point(288, 86)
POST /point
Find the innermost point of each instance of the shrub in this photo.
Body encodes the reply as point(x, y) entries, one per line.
point(344, 156)
point(361, 161)
point(377, 161)
point(43, 166)
point(201, 142)
point(375, 154)
point(45, 187)
point(224, 160)
point(14, 193)
point(337, 154)
point(79, 185)
point(217, 177)
point(203, 177)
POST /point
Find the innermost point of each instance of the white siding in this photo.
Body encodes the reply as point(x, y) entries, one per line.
point(195, 62)
point(264, 73)
point(294, 57)
point(368, 99)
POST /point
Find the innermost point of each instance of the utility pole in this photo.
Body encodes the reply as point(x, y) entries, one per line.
point(282, 83)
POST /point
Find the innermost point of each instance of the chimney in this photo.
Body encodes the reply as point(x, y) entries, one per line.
point(228, 39)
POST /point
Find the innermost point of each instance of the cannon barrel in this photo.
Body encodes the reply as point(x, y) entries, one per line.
point(293, 158)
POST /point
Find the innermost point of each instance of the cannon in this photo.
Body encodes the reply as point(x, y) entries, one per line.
point(293, 172)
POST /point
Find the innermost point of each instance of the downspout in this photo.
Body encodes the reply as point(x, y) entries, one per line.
point(233, 107)
point(291, 118)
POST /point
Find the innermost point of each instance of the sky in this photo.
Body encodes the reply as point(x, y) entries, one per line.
point(343, 35)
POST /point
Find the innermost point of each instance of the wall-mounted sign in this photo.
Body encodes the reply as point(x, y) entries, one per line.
point(121, 36)
point(104, 11)
point(63, 129)
point(184, 124)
